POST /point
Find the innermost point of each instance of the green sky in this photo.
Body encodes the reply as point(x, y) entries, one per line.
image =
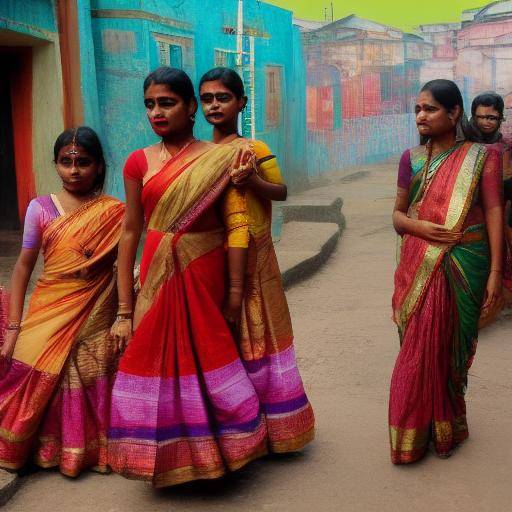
point(404, 14)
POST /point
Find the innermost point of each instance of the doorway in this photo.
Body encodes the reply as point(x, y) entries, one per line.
point(9, 216)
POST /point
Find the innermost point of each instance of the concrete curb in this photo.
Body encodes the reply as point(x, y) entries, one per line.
point(9, 483)
point(317, 211)
point(309, 266)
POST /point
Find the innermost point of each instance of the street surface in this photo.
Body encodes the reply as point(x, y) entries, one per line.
point(347, 345)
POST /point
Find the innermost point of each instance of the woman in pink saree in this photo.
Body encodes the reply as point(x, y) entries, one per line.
point(449, 213)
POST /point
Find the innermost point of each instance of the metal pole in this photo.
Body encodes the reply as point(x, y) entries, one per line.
point(240, 33)
point(253, 88)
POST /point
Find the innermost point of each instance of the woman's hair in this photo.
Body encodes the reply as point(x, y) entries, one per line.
point(229, 79)
point(445, 92)
point(488, 99)
point(86, 138)
point(177, 80)
point(448, 94)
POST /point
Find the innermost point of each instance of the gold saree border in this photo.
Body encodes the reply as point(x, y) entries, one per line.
point(460, 203)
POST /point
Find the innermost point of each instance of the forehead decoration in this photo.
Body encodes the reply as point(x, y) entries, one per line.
point(74, 149)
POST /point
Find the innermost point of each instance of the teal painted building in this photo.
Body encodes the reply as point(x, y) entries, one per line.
point(121, 41)
point(84, 62)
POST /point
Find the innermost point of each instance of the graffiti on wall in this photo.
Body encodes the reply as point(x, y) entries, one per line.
point(363, 78)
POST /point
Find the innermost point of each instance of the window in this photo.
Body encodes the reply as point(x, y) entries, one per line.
point(225, 58)
point(273, 94)
point(170, 54)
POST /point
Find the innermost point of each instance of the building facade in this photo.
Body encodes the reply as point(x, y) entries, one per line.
point(84, 62)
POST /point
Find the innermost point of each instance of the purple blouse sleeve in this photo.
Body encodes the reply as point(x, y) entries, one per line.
point(32, 231)
point(405, 171)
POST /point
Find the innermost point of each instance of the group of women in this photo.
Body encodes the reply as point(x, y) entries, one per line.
point(449, 212)
point(187, 371)
point(194, 373)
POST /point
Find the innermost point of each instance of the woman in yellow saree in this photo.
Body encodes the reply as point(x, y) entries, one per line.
point(183, 407)
point(264, 327)
point(449, 212)
point(57, 365)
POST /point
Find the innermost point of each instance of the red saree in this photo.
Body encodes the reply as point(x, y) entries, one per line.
point(438, 295)
point(183, 407)
point(54, 400)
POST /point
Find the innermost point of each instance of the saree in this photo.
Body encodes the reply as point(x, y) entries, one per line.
point(54, 398)
point(438, 294)
point(266, 333)
point(183, 407)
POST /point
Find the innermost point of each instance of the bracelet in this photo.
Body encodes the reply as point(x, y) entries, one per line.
point(236, 290)
point(121, 318)
point(13, 327)
point(496, 270)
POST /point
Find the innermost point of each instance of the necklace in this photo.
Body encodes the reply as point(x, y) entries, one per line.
point(165, 154)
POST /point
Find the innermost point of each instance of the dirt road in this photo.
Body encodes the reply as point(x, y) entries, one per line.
point(347, 346)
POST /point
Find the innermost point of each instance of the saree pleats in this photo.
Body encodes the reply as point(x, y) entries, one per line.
point(54, 400)
point(439, 290)
point(183, 407)
point(266, 343)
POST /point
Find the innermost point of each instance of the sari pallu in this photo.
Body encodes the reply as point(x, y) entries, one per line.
point(438, 295)
point(54, 397)
point(183, 407)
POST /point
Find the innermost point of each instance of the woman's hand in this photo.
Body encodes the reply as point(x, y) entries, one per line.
point(233, 308)
point(493, 292)
point(244, 167)
point(122, 331)
point(7, 348)
point(436, 233)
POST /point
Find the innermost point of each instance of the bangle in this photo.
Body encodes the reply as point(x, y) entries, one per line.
point(496, 270)
point(14, 326)
point(236, 289)
point(122, 318)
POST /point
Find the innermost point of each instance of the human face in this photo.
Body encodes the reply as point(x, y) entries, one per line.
point(487, 119)
point(220, 106)
point(432, 119)
point(77, 169)
point(167, 112)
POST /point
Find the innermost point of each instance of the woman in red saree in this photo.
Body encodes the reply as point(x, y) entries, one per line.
point(449, 212)
point(59, 362)
point(183, 407)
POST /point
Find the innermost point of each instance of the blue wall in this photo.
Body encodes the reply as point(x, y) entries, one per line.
point(125, 50)
point(34, 21)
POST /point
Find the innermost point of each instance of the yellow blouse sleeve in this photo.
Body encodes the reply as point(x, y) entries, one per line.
point(268, 168)
point(234, 213)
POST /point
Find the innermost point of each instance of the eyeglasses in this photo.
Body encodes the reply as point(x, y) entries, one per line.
point(488, 118)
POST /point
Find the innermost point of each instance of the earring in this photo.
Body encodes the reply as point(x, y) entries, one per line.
point(193, 117)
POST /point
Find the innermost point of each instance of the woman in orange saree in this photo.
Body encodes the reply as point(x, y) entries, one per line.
point(58, 364)
point(183, 407)
point(449, 212)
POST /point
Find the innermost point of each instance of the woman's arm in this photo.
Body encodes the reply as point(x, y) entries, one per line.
point(492, 201)
point(133, 225)
point(265, 189)
point(18, 288)
point(234, 212)
point(421, 228)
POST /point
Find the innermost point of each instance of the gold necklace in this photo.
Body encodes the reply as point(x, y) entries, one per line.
point(165, 154)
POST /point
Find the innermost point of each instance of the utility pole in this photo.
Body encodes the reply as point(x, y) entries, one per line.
point(332, 11)
point(240, 34)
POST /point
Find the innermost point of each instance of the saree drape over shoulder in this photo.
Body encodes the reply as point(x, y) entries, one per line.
point(54, 399)
point(183, 407)
point(439, 290)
